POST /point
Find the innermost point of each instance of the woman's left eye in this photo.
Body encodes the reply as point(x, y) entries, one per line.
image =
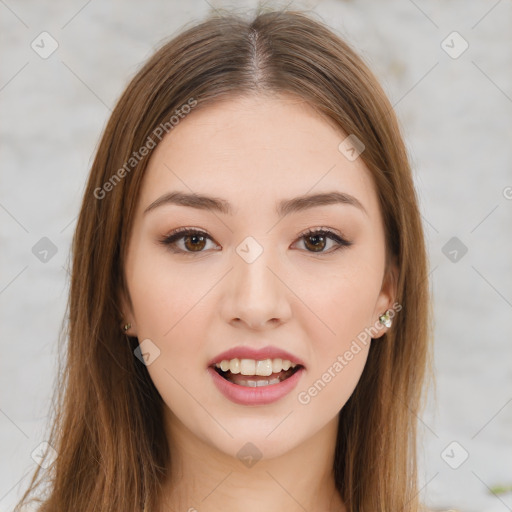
point(317, 240)
point(195, 240)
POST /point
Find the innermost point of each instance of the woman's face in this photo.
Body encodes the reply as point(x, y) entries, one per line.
point(249, 286)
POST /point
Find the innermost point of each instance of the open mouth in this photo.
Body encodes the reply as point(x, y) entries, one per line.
point(251, 373)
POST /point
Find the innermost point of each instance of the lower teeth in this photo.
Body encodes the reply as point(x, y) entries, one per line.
point(257, 383)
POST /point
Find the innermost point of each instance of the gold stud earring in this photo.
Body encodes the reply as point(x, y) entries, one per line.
point(126, 327)
point(385, 319)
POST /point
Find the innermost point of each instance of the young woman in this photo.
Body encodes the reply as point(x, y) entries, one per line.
point(248, 314)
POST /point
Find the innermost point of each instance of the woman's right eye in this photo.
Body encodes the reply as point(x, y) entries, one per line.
point(193, 240)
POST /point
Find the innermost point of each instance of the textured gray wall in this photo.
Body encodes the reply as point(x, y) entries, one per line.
point(455, 107)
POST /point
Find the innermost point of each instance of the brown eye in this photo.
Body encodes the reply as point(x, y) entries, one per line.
point(187, 241)
point(316, 243)
point(194, 242)
point(318, 240)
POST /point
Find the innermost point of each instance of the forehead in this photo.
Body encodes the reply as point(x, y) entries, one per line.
point(254, 148)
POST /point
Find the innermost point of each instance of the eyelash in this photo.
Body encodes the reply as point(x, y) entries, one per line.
point(170, 239)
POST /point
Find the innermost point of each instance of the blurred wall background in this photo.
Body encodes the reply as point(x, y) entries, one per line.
point(446, 67)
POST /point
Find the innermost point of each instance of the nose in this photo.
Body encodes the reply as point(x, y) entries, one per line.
point(256, 295)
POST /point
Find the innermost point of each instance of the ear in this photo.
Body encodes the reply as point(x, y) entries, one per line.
point(126, 312)
point(386, 298)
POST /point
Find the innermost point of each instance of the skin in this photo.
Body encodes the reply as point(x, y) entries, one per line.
point(254, 152)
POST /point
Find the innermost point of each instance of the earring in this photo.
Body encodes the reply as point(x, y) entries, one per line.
point(126, 327)
point(385, 319)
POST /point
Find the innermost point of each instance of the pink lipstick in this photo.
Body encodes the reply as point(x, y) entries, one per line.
point(248, 376)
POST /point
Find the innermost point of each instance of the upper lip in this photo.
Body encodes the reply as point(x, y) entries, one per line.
point(242, 352)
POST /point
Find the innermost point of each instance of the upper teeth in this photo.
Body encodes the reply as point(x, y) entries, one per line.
point(264, 368)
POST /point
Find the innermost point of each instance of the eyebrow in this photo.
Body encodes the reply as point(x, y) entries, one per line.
point(285, 207)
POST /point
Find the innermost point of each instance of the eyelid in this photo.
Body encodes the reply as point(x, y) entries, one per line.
point(325, 230)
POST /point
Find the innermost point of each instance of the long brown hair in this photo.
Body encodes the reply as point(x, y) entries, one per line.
point(108, 423)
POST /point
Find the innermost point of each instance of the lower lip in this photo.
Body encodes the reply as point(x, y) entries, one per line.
point(245, 395)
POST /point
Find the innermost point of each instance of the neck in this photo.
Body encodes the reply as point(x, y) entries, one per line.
point(206, 479)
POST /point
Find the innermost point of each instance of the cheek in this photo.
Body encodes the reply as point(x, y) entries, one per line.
point(339, 300)
point(325, 392)
point(163, 298)
point(340, 307)
point(346, 302)
point(339, 353)
point(173, 309)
